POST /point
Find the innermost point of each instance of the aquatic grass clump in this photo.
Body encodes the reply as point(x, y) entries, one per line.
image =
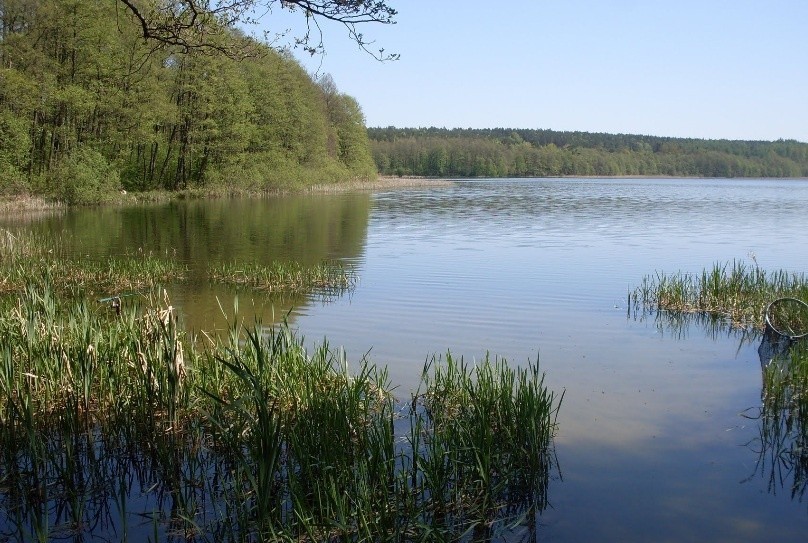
point(285, 276)
point(314, 442)
point(734, 290)
point(773, 302)
point(108, 418)
point(482, 435)
point(25, 257)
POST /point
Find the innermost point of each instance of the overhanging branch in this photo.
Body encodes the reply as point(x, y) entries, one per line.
point(207, 24)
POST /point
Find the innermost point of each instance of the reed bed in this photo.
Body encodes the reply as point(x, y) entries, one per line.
point(25, 256)
point(285, 276)
point(482, 441)
point(736, 294)
point(125, 425)
point(734, 290)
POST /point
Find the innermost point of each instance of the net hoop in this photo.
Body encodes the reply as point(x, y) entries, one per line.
point(773, 328)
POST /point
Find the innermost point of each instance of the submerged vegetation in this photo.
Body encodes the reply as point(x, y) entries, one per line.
point(123, 424)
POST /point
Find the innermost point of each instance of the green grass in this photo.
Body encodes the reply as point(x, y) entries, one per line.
point(738, 294)
point(109, 419)
point(285, 276)
point(734, 290)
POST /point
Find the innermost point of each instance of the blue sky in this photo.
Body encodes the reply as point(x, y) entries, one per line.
point(733, 69)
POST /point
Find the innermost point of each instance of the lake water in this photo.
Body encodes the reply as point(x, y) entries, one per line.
point(652, 442)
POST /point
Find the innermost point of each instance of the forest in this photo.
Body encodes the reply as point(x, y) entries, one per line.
point(88, 108)
point(503, 152)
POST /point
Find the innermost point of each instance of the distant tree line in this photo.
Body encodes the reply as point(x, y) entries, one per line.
point(87, 106)
point(502, 152)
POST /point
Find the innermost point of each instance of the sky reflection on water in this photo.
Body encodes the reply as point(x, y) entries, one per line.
point(651, 442)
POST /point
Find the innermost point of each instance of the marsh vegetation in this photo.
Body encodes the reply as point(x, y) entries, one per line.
point(770, 305)
point(545, 271)
point(736, 291)
point(122, 422)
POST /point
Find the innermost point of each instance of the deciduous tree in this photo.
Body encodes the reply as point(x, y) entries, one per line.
point(200, 24)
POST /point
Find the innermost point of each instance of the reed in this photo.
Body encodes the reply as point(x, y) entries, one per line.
point(326, 277)
point(783, 423)
point(108, 419)
point(486, 450)
point(738, 295)
point(733, 290)
point(20, 253)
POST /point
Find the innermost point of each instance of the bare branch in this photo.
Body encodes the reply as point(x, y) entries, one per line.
point(206, 24)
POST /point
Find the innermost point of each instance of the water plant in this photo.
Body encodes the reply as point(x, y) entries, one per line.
point(22, 252)
point(738, 295)
point(482, 435)
point(124, 423)
point(733, 290)
point(325, 277)
point(782, 445)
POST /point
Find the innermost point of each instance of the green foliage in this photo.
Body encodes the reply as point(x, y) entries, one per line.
point(736, 290)
point(84, 177)
point(278, 443)
point(77, 75)
point(14, 148)
point(545, 153)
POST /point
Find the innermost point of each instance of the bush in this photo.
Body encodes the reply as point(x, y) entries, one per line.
point(14, 147)
point(84, 178)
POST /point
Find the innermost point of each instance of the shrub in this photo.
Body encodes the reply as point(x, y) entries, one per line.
point(84, 178)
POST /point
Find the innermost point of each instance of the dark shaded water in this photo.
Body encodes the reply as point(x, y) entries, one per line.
point(652, 443)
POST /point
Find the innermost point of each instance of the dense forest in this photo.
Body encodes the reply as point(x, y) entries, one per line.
point(89, 107)
point(501, 152)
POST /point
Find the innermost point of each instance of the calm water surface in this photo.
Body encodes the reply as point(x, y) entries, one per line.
point(652, 445)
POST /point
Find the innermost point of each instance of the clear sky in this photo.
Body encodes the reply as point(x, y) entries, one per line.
point(735, 69)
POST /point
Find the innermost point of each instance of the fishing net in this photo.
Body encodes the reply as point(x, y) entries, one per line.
point(786, 322)
point(787, 317)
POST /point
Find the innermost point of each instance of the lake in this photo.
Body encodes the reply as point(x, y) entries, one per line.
point(656, 441)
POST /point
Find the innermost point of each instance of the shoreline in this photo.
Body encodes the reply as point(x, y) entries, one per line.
point(383, 182)
point(27, 204)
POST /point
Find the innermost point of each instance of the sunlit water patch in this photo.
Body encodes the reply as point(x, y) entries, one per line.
point(652, 441)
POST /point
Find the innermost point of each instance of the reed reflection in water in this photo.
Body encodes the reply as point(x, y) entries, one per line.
point(650, 437)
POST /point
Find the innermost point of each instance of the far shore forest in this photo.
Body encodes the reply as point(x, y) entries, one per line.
point(505, 152)
point(89, 109)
